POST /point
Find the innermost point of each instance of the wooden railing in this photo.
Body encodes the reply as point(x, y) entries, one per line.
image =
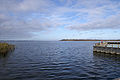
point(108, 44)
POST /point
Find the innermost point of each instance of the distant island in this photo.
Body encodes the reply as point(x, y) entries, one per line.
point(90, 40)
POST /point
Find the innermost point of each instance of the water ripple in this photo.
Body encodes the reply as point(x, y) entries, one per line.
point(37, 60)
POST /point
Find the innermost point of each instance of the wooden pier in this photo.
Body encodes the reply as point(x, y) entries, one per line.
point(107, 47)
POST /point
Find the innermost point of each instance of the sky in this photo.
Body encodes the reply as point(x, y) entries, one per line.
point(59, 19)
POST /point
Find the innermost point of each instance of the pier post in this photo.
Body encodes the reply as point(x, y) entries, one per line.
point(112, 45)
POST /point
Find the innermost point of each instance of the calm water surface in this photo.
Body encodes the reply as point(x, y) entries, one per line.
point(56, 60)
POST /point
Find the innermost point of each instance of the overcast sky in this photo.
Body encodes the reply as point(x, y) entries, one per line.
point(59, 19)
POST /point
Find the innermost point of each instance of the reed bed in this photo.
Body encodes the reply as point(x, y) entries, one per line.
point(5, 48)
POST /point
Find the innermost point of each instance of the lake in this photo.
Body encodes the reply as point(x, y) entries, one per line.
point(57, 60)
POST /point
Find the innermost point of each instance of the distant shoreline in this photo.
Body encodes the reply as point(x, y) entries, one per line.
point(89, 40)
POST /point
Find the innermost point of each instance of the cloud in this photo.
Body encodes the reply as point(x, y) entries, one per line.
point(93, 15)
point(23, 29)
point(25, 5)
point(109, 23)
point(21, 18)
point(14, 17)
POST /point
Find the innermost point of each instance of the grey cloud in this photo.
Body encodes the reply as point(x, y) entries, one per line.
point(112, 22)
point(15, 26)
point(22, 28)
point(15, 14)
point(25, 5)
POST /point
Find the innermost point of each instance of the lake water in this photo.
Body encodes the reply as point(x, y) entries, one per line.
point(58, 60)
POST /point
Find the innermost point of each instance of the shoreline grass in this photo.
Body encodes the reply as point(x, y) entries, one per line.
point(5, 48)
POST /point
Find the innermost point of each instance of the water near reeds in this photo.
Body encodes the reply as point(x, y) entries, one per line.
point(57, 60)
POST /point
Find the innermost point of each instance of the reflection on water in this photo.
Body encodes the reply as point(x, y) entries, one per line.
point(109, 64)
point(3, 55)
point(44, 60)
point(4, 58)
point(107, 56)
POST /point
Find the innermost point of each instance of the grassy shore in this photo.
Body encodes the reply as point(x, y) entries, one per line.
point(5, 48)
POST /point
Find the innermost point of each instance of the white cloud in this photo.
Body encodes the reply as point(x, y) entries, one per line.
point(109, 23)
point(17, 21)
